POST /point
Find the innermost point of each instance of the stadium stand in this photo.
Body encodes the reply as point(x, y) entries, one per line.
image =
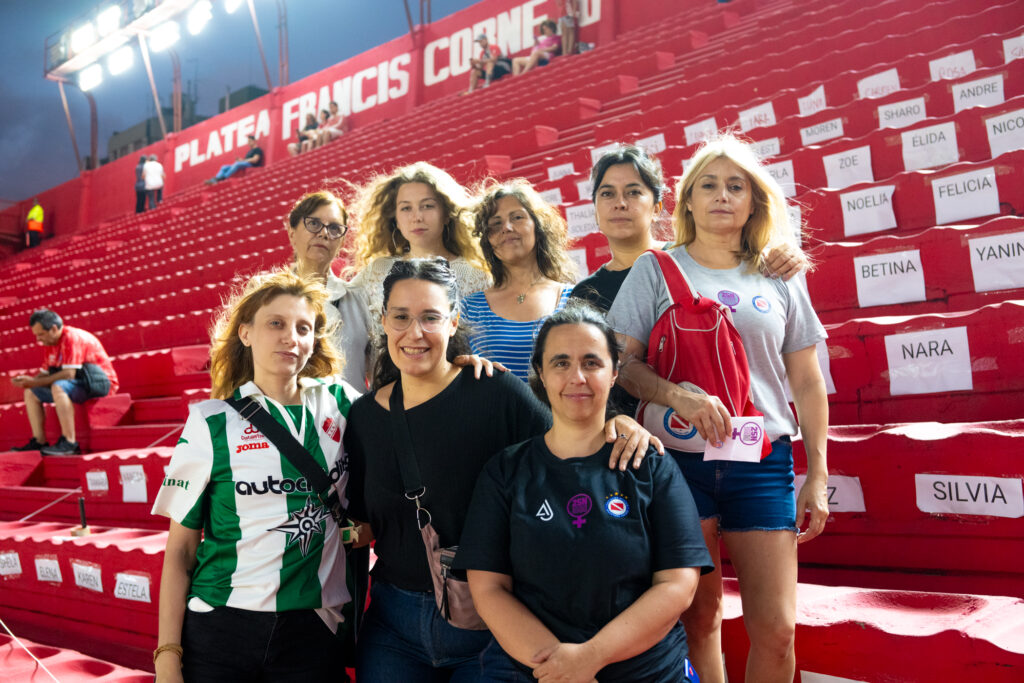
point(898, 127)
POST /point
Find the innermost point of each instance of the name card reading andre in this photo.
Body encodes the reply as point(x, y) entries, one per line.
point(845, 494)
point(820, 132)
point(848, 168)
point(878, 85)
point(1005, 132)
point(813, 103)
point(581, 220)
point(963, 495)
point(782, 171)
point(761, 116)
point(997, 261)
point(560, 171)
point(983, 92)
point(868, 210)
point(892, 278)
point(931, 146)
point(965, 195)
point(952, 66)
point(929, 362)
point(697, 133)
point(902, 114)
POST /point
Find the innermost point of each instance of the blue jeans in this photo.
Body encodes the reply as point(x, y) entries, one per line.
point(72, 387)
point(228, 170)
point(498, 666)
point(404, 639)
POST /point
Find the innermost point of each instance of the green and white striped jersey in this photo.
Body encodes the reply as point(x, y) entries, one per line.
point(268, 544)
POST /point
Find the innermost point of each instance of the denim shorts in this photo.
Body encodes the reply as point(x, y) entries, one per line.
point(744, 496)
point(75, 390)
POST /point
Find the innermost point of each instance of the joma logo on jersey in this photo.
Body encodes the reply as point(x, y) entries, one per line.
point(274, 485)
point(254, 446)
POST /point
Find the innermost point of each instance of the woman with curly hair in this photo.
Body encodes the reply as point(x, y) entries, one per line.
point(524, 240)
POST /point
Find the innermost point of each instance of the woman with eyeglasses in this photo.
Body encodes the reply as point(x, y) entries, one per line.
point(455, 424)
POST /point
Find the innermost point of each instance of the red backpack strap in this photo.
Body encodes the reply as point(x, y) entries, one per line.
point(679, 286)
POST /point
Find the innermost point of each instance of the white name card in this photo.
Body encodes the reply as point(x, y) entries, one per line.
point(929, 362)
point(585, 188)
point(1005, 132)
point(813, 103)
point(892, 278)
point(963, 495)
point(560, 171)
point(782, 171)
point(965, 195)
point(879, 85)
point(552, 196)
point(1013, 48)
point(87, 575)
point(820, 132)
point(96, 480)
point(766, 148)
point(597, 152)
point(131, 587)
point(742, 445)
point(579, 259)
point(48, 569)
point(796, 223)
point(952, 66)
point(654, 144)
point(849, 168)
point(997, 261)
point(133, 484)
point(699, 132)
point(10, 564)
point(868, 210)
point(581, 220)
point(811, 677)
point(983, 92)
point(757, 117)
point(902, 114)
point(930, 147)
point(844, 493)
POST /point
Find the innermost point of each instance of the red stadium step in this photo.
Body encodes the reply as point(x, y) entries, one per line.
point(65, 664)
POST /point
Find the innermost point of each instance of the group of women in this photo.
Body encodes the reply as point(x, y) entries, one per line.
point(588, 554)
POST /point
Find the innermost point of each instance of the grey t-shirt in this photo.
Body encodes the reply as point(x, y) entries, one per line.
point(773, 318)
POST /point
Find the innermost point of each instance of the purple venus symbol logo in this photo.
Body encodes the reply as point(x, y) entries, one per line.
point(749, 433)
point(579, 506)
point(729, 298)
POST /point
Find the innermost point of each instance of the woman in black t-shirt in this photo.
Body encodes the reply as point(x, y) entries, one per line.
point(579, 571)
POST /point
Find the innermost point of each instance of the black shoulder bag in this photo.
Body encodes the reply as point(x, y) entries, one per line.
point(95, 381)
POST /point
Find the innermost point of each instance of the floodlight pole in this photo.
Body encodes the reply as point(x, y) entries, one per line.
point(259, 42)
point(176, 91)
point(282, 43)
point(152, 84)
point(71, 125)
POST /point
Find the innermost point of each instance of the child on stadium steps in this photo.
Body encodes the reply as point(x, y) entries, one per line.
point(609, 610)
point(254, 571)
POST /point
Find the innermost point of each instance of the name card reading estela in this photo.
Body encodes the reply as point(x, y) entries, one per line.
point(929, 362)
point(962, 495)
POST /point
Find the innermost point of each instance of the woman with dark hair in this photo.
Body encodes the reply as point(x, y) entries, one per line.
point(523, 239)
point(609, 609)
point(455, 423)
point(548, 46)
point(303, 136)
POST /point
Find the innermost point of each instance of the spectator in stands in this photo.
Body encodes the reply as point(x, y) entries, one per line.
point(153, 179)
point(490, 65)
point(335, 126)
point(140, 185)
point(548, 46)
point(728, 207)
point(455, 424)
point(524, 241)
point(316, 225)
point(34, 225)
point(304, 136)
point(252, 158)
point(586, 617)
point(416, 211)
point(75, 369)
point(570, 23)
point(254, 570)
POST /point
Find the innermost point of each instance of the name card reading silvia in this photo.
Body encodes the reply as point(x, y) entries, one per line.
point(868, 210)
point(930, 147)
point(997, 261)
point(965, 195)
point(893, 278)
point(963, 495)
point(929, 362)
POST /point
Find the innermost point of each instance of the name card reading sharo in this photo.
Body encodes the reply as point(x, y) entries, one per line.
point(952, 66)
point(1005, 132)
point(929, 362)
point(868, 210)
point(699, 132)
point(757, 117)
point(930, 147)
point(964, 495)
point(965, 195)
point(845, 494)
point(581, 220)
point(879, 85)
point(132, 587)
point(893, 278)
point(902, 114)
point(983, 92)
point(560, 171)
point(813, 103)
point(766, 149)
point(552, 196)
point(783, 174)
point(997, 261)
point(820, 132)
point(848, 168)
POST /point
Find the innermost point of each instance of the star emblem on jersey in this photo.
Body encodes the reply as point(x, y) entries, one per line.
point(545, 514)
point(616, 505)
point(303, 524)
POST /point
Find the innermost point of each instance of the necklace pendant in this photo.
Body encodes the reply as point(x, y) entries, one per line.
point(521, 298)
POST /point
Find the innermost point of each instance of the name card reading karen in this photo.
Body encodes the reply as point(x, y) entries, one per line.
point(782, 171)
point(132, 587)
point(965, 195)
point(929, 362)
point(997, 261)
point(868, 210)
point(879, 85)
point(654, 144)
point(848, 168)
point(88, 575)
point(1005, 132)
point(820, 132)
point(585, 188)
point(983, 92)
point(965, 495)
point(766, 149)
point(757, 117)
point(952, 66)
point(697, 133)
point(560, 171)
point(48, 569)
point(10, 564)
point(552, 196)
point(96, 480)
point(902, 114)
point(930, 147)
point(581, 220)
point(133, 484)
point(893, 278)
point(845, 494)
point(813, 103)
point(1013, 48)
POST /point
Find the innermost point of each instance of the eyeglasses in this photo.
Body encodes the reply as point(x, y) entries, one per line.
point(429, 322)
point(315, 225)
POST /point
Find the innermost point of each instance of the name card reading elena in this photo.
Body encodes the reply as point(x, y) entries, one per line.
point(891, 278)
point(952, 66)
point(48, 569)
point(901, 114)
point(762, 115)
point(868, 210)
point(929, 362)
point(560, 171)
point(743, 444)
point(879, 85)
point(848, 168)
point(1005, 132)
point(699, 132)
point(963, 495)
point(965, 195)
point(931, 146)
point(983, 92)
point(581, 220)
point(845, 494)
point(997, 261)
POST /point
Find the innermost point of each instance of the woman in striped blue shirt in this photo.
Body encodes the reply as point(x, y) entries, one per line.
point(524, 240)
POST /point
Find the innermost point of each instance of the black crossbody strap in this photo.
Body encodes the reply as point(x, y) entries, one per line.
point(410, 471)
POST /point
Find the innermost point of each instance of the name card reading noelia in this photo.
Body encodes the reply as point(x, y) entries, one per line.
point(929, 362)
point(552, 196)
point(782, 171)
point(1005, 132)
point(997, 261)
point(965, 495)
point(952, 66)
point(766, 148)
point(820, 132)
point(813, 103)
point(892, 278)
point(581, 220)
point(965, 195)
point(699, 132)
point(132, 587)
point(868, 210)
point(757, 117)
point(983, 92)
point(560, 171)
point(930, 147)
point(48, 569)
point(879, 85)
point(845, 494)
point(848, 168)
point(902, 114)
point(10, 564)
point(87, 575)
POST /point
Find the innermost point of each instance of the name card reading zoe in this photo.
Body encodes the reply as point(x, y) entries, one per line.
point(928, 362)
point(961, 495)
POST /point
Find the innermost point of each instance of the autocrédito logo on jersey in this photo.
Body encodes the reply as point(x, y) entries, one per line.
point(274, 485)
point(677, 426)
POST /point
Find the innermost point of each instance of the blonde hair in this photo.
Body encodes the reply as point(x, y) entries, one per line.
point(769, 222)
point(231, 363)
point(378, 233)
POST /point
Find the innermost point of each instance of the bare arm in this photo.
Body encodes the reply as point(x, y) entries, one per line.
point(811, 401)
point(517, 630)
point(43, 379)
point(784, 260)
point(179, 561)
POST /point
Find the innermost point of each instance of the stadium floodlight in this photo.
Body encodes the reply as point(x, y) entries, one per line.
point(200, 13)
point(120, 60)
point(231, 5)
point(109, 20)
point(164, 35)
point(90, 77)
point(82, 37)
